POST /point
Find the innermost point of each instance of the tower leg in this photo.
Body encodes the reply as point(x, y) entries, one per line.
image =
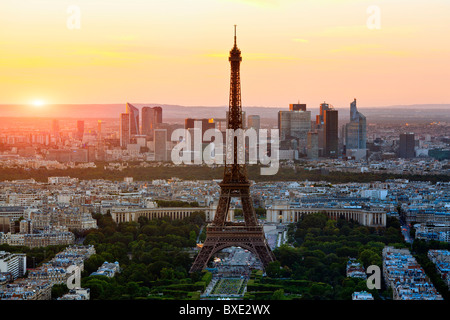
point(228, 237)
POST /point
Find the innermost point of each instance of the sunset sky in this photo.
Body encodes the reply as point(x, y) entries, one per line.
point(175, 52)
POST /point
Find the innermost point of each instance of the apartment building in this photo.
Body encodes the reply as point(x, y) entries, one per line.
point(25, 289)
point(441, 258)
point(354, 269)
point(13, 263)
point(406, 277)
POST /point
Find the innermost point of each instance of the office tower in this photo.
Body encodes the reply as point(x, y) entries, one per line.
point(55, 127)
point(297, 107)
point(151, 117)
point(160, 142)
point(148, 121)
point(100, 154)
point(91, 154)
point(206, 124)
point(80, 129)
point(294, 126)
point(331, 142)
point(254, 121)
point(356, 133)
point(313, 145)
point(220, 124)
point(222, 233)
point(134, 118)
point(407, 144)
point(125, 133)
point(158, 114)
point(320, 117)
point(99, 129)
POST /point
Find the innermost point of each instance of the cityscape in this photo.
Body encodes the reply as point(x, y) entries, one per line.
point(239, 203)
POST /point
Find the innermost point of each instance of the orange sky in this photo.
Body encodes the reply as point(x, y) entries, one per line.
point(175, 52)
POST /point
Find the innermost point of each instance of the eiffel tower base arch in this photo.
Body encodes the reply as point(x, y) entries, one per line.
point(233, 235)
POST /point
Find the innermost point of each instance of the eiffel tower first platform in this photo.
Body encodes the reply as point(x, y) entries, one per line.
point(221, 233)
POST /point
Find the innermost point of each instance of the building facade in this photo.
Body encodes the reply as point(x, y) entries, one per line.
point(282, 212)
point(125, 131)
point(406, 146)
point(14, 263)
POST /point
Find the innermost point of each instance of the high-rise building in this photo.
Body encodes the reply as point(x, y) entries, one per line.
point(99, 129)
point(80, 129)
point(55, 127)
point(158, 114)
point(254, 121)
point(331, 141)
point(294, 125)
point(160, 142)
point(356, 133)
point(313, 145)
point(189, 123)
point(148, 121)
point(125, 133)
point(151, 117)
point(297, 107)
point(320, 117)
point(406, 145)
point(134, 118)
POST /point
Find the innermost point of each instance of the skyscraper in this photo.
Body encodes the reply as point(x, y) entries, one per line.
point(151, 117)
point(55, 127)
point(160, 142)
point(294, 125)
point(320, 117)
point(313, 145)
point(80, 129)
point(254, 121)
point(189, 123)
point(331, 142)
point(148, 121)
point(297, 107)
point(158, 114)
point(125, 133)
point(134, 118)
point(99, 129)
point(406, 145)
point(355, 133)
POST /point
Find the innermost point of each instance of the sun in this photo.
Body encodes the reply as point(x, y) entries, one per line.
point(38, 103)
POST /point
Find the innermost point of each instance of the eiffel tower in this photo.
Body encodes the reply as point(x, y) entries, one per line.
point(221, 233)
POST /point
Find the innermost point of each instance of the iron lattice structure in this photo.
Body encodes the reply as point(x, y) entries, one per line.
point(221, 233)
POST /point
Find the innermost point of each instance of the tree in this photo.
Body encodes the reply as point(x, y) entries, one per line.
point(58, 290)
point(273, 269)
point(278, 295)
